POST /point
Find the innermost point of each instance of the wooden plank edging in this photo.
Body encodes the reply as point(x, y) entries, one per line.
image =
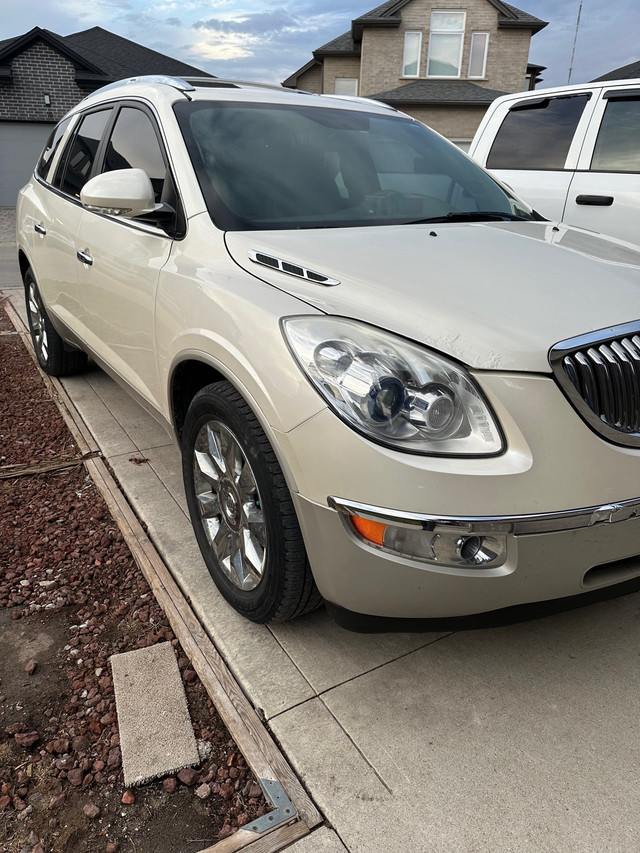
point(235, 710)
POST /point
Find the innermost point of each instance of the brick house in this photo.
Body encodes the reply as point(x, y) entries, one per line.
point(441, 63)
point(42, 75)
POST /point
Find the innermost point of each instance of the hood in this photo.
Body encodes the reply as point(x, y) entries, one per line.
point(495, 296)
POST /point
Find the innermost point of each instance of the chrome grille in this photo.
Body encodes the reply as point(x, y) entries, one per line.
point(600, 374)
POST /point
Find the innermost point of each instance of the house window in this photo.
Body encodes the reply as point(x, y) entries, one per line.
point(478, 55)
point(411, 59)
point(346, 86)
point(445, 44)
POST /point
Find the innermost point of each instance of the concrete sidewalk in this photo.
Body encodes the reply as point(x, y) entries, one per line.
point(524, 738)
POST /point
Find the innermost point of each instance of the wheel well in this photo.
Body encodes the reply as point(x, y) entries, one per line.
point(189, 377)
point(23, 262)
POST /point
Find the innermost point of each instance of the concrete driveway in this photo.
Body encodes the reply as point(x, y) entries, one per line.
point(521, 738)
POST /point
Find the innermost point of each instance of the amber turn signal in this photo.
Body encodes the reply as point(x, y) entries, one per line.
point(373, 531)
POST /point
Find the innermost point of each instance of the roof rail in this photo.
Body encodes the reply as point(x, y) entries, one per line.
point(188, 84)
point(165, 79)
point(222, 83)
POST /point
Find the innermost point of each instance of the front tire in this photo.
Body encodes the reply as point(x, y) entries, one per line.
point(54, 356)
point(241, 510)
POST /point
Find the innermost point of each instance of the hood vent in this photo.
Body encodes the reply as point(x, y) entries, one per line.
point(291, 269)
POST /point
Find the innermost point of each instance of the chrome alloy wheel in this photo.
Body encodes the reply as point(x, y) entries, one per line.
point(38, 330)
point(230, 506)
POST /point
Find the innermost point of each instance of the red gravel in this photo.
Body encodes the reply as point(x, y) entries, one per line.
point(71, 595)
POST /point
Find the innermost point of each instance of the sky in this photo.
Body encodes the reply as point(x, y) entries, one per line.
point(267, 40)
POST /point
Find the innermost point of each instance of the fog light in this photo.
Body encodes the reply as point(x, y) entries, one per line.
point(440, 547)
point(469, 546)
point(474, 550)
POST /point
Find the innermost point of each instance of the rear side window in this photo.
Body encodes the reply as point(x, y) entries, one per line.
point(50, 148)
point(134, 145)
point(537, 134)
point(76, 165)
point(618, 144)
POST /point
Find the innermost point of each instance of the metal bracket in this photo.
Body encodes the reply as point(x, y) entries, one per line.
point(284, 809)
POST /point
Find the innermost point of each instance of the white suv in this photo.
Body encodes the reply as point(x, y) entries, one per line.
point(381, 366)
point(572, 152)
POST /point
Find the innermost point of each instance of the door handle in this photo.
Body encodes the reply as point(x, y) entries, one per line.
point(39, 228)
point(598, 200)
point(85, 257)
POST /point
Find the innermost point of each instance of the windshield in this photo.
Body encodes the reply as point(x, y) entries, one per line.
point(267, 166)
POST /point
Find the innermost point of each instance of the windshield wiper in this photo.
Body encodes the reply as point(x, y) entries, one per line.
point(474, 216)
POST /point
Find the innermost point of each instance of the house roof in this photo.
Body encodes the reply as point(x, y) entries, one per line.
point(626, 72)
point(119, 57)
point(341, 45)
point(387, 15)
point(98, 55)
point(12, 47)
point(439, 93)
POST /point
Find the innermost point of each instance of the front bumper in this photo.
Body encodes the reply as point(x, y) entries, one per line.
point(576, 557)
point(564, 500)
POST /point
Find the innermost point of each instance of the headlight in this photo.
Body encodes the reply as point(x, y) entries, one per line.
point(395, 392)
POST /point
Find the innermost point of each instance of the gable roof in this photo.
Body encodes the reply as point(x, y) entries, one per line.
point(12, 47)
point(98, 55)
point(626, 72)
point(119, 57)
point(439, 93)
point(388, 15)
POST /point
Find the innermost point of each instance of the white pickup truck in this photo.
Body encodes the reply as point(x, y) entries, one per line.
point(573, 153)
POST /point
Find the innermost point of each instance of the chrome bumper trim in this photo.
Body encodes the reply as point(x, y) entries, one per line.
point(518, 525)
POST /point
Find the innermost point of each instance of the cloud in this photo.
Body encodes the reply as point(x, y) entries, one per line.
point(223, 46)
point(102, 10)
point(265, 23)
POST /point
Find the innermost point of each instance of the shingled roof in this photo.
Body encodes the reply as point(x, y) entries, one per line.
point(439, 92)
point(342, 45)
point(387, 15)
point(119, 57)
point(98, 55)
point(626, 72)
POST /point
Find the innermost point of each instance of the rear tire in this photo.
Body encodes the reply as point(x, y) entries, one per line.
point(241, 510)
point(54, 356)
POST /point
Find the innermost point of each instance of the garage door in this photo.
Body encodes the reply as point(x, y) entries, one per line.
point(20, 147)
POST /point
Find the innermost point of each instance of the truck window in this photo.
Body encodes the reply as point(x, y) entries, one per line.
point(537, 133)
point(618, 144)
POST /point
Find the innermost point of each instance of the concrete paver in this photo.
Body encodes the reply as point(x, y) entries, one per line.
point(515, 739)
point(323, 840)
point(327, 655)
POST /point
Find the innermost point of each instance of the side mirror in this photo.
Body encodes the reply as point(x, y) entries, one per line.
point(123, 192)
